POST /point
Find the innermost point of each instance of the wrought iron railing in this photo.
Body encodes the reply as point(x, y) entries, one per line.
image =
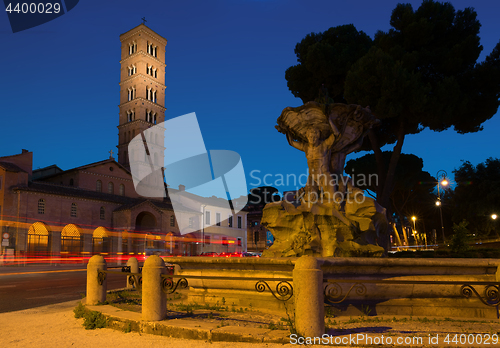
point(284, 288)
point(334, 295)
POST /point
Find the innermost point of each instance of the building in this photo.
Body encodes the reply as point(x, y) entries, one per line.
point(94, 208)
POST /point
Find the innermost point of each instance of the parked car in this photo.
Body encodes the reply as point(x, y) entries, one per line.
point(209, 254)
point(249, 254)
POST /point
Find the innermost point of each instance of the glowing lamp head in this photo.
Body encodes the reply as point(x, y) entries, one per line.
point(444, 182)
point(413, 218)
point(494, 216)
point(438, 203)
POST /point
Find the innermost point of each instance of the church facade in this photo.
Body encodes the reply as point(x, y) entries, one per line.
point(94, 208)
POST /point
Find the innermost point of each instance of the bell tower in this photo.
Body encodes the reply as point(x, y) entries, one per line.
point(142, 90)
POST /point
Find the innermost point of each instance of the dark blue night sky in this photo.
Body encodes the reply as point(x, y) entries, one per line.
point(226, 62)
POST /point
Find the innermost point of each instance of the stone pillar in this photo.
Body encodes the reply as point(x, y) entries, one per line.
point(154, 301)
point(309, 297)
point(134, 268)
point(96, 292)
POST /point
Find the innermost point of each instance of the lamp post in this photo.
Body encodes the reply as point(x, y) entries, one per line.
point(494, 218)
point(203, 228)
point(413, 218)
point(441, 174)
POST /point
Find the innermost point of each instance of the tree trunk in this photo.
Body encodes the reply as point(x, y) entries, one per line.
point(379, 159)
point(389, 179)
point(386, 178)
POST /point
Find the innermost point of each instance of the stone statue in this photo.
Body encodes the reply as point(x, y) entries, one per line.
point(334, 217)
point(318, 157)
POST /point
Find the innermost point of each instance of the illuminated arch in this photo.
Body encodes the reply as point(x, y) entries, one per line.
point(71, 240)
point(101, 241)
point(100, 232)
point(38, 238)
point(71, 230)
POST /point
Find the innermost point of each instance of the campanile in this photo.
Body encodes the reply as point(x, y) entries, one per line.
point(142, 89)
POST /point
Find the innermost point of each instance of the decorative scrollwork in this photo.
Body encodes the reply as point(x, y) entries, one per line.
point(333, 292)
point(101, 277)
point(136, 280)
point(168, 285)
point(491, 292)
point(284, 289)
point(126, 269)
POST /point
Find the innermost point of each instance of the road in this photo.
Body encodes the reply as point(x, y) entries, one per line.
point(22, 288)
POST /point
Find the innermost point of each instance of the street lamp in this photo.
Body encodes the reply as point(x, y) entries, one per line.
point(414, 229)
point(494, 216)
point(444, 182)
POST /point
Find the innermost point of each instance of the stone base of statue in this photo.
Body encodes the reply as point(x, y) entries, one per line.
point(326, 228)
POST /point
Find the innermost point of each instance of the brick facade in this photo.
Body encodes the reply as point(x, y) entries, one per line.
point(94, 208)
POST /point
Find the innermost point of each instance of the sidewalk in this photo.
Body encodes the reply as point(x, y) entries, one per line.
point(55, 326)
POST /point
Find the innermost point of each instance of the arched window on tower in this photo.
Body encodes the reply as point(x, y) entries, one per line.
point(154, 118)
point(71, 182)
point(111, 187)
point(98, 186)
point(153, 99)
point(155, 73)
point(150, 70)
point(74, 210)
point(122, 190)
point(132, 48)
point(131, 93)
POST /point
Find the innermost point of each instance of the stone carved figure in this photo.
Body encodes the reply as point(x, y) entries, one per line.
point(342, 127)
point(334, 217)
point(318, 157)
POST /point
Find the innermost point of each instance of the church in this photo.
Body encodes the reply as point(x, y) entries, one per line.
point(94, 208)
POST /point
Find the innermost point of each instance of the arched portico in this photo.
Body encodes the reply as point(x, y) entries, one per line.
point(38, 240)
point(71, 240)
